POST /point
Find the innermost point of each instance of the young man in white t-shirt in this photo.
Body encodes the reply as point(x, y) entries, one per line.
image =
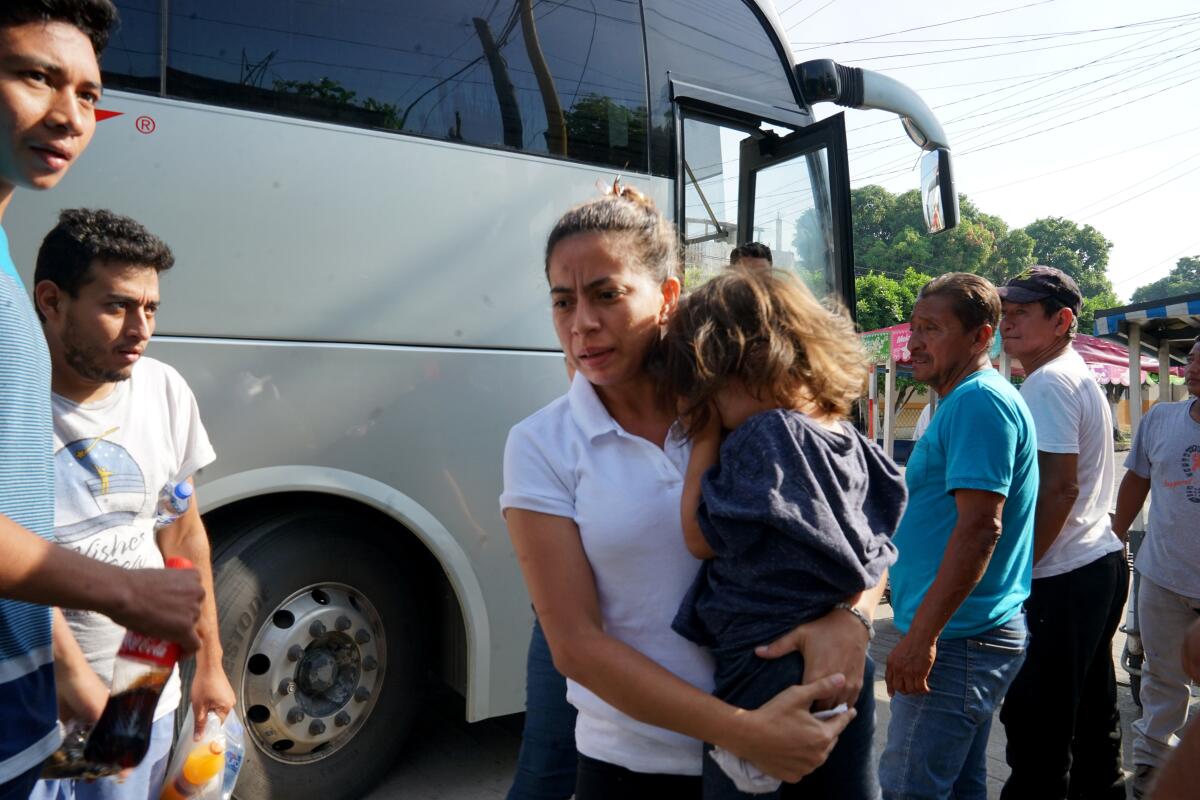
point(1061, 718)
point(125, 427)
point(1164, 462)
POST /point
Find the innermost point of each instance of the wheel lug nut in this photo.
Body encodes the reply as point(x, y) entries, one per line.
point(343, 623)
point(316, 728)
point(295, 716)
point(362, 637)
point(295, 652)
point(285, 686)
point(362, 694)
point(316, 629)
point(342, 719)
point(370, 664)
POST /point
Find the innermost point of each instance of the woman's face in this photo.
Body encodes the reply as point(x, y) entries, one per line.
point(607, 311)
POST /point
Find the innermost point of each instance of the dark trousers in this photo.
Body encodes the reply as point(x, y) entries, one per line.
point(747, 681)
point(546, 763)
point(20, 787)
point(1060, 715)
point(599, 780)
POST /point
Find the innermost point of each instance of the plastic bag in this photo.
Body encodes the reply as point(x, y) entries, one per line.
point(201, 769)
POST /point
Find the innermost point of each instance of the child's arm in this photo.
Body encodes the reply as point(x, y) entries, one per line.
point(706, 445)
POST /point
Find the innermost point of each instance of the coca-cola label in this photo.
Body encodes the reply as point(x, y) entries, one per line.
point(148, 649)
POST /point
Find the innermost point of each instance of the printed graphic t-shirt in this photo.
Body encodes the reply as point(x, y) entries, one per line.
point(112, 458)
point(28, 709)
point(1166, 449)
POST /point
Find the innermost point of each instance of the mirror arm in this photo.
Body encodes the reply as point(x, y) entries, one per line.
point(824, 80)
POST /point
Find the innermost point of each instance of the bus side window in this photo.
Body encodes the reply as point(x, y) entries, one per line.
point(131, 60)
point(561, 79)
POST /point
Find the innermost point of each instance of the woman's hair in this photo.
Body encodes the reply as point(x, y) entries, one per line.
point(626, 211)
point(766, 329)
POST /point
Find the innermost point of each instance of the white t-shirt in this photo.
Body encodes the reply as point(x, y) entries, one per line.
point(112, 458)
point(572, 459)
point(1166, 449)
point(1072, 415)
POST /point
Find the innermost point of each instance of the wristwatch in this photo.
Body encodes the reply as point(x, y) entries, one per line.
point(863, 618)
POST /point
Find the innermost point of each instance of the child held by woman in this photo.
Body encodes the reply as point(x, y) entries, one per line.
point(792, 513)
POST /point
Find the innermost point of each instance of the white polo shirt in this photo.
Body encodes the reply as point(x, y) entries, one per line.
point(573, 460)
point(1071, 415)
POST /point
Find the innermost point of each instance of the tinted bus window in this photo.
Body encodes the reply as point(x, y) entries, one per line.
point(564, 78)
point(717, 44)
point(131, 60)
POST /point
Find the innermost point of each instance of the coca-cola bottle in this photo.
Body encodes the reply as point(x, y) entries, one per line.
point(121, 736)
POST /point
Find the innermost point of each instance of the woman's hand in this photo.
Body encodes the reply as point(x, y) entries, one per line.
point(835, 644)
point(782, 737)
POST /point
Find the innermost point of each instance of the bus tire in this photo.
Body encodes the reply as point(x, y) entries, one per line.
point(324, 647)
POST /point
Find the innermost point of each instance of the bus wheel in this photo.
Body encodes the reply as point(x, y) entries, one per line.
point(324, 648)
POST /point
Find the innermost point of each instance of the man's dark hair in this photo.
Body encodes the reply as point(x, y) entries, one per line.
point(750, 250)
point(84, 236)
point(975, 299)
point(95, 18)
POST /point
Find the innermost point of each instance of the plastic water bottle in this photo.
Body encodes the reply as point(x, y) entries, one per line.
point(235, 752)
point(173, 500)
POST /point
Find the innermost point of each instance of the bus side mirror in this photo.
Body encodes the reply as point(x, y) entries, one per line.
point(939, 200)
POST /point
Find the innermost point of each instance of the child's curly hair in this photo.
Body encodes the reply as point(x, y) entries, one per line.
point(766, 329)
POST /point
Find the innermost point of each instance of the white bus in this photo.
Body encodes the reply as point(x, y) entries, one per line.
point(358, 193)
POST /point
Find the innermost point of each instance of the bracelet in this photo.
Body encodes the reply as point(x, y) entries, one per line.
point(863, 618)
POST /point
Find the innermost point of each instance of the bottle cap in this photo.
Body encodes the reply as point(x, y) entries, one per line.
point(183, 490)
point(178, 562)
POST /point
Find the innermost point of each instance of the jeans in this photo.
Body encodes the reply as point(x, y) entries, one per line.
point(547, 761)
point(937, 742)
point(144, 783)
point(1164, 618)
point(747, 681)
point(1060, 715)
point(599, 780)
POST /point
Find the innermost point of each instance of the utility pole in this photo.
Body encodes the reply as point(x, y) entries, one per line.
point(506, 95)
point(556, 123)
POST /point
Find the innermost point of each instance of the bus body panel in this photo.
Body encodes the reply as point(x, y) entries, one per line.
point(297, 230)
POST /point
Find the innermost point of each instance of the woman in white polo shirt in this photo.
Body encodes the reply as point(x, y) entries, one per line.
point(591, 496)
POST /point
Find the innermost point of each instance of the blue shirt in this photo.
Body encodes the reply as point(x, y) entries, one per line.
point(800, 518)
point(981, 437)
point(28, 731)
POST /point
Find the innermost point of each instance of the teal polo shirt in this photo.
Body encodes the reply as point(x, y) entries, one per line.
point(981, 437)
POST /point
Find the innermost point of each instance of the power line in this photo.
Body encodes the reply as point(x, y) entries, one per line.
point(1194, 245)
point(813, 14)
point(1140, 194)
point(933, 25)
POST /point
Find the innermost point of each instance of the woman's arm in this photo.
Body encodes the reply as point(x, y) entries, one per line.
point(781, 737)
point(832, 645)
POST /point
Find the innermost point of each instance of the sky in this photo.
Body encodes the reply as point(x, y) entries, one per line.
point(1084, 109)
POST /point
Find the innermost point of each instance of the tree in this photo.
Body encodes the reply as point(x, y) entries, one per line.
point(1081, 252)
point(882, 301)
point(1184, 278)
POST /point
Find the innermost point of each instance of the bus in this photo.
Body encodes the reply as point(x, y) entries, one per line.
point(358, 195)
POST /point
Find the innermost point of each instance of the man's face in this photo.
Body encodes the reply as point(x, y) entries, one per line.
point(104, 330)
point(941, 349)
point(1027, 330)
point(49, 87)
point(1191, 373)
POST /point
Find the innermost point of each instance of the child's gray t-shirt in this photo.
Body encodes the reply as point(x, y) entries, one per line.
point(1166, 450)
point(800, 518)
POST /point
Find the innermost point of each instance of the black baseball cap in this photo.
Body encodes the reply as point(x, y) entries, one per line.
point(1040, 283)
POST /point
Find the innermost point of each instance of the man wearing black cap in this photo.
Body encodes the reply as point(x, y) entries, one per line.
point(1060, 715)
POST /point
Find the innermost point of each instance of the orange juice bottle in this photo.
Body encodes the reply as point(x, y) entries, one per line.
point(201, 766)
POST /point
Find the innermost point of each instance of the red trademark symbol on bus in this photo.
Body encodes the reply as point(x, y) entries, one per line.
point(145, 124)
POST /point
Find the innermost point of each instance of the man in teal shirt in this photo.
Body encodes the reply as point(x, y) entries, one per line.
point(966, 551)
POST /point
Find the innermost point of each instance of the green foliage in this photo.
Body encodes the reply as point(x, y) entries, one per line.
point(1097, 302)
point(1081, 252)
point(882, 301)
point(1184, 278)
